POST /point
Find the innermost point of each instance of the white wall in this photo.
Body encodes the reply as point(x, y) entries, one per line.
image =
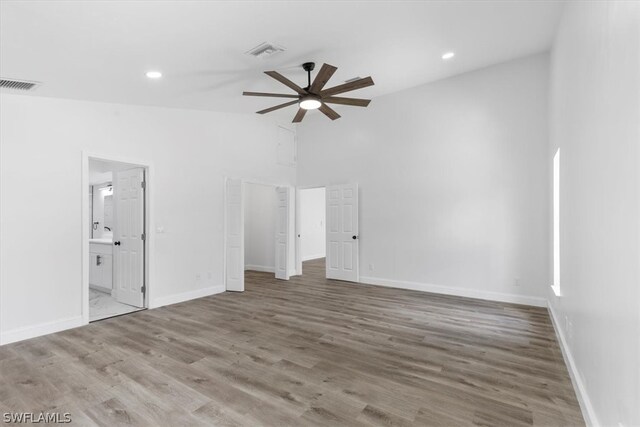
point(453, 181)
point(595, 120)
point(41, 141)
point(312, 223)
point(259, 227)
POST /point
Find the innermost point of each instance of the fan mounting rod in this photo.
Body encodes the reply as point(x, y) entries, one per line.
point(308, 67)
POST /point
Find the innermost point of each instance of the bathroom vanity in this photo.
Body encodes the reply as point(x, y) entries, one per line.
point(101, 264)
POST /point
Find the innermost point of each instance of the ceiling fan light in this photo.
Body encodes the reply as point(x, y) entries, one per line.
point(310, 103)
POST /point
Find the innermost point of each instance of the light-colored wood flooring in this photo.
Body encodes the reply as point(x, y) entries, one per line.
point(304, 352)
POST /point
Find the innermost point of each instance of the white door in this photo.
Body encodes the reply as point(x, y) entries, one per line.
point(283, 219)
point(342, 232)
point(128, 237)
point(234, 238)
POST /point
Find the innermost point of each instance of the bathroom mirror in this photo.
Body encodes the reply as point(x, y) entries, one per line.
point(108, 213)
point(102, 211)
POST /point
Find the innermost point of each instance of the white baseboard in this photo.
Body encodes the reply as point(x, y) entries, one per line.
point(186, 296)
point(586, 407)
point(263, 268)
point(310, 257)
point(27, 332)
point(24, 333)
point(461, 292)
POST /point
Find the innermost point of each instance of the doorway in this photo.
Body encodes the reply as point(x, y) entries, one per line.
point(340, 225)
point(312, 226)
point(116, 259)
point(271, 227)
point(260, 209)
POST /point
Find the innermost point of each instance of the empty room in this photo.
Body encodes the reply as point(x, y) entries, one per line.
point(320, 213)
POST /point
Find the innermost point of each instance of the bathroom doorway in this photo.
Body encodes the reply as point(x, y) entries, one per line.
point(117, 212)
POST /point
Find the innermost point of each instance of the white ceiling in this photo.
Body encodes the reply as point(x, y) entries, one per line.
point(100, 50)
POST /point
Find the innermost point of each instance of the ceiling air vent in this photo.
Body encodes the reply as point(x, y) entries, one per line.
point(353, 79)
point(264, 50)
point(17, 84)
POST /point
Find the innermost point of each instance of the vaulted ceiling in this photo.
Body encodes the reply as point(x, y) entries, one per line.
point(101, 50)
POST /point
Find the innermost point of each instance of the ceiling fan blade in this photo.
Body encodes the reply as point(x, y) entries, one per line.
point(355, 102)
point(323, 76)
point(356, 84)
point(273, 95)
point(285, 81)
point(299, 115)
point(277, 107)
point(329, 112)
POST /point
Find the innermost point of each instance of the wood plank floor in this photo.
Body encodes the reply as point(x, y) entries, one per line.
point(304, 352)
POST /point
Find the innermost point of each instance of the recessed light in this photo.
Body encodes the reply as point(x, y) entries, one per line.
point(153, 74)
point(448, 55)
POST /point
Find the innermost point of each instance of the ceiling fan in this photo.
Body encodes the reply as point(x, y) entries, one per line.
point(313, 96)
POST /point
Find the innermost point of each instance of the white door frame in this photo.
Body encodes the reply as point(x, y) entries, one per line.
point(251, 180)
point(298, 220)
point(149, 252)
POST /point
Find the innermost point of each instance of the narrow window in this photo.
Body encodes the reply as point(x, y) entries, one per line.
point(556, 223)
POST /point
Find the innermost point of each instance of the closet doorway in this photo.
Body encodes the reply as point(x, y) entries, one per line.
point(259, 231)
point(260, 210)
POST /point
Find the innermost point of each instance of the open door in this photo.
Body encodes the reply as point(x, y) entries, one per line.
point(234, 238)
point(128, 237)
point(342, 232)
point(283, 222)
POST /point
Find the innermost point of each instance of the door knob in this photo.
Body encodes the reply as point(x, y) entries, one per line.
point(117, 243)
point(354, 237)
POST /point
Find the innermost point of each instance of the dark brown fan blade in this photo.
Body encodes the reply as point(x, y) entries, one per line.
point(356, 84)
point(273, 95)
point(277, 107)
point(285, 81)
point(299, 115)
point(355, 102)
point(329, 112)
point(322, 78)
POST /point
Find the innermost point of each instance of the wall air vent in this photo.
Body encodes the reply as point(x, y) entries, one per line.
point(353, 79)
point(17, 84)
point(264, 50)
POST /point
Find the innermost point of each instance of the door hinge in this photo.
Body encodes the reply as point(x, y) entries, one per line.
point(143, 237)
point(143, 289)
point(143, 184)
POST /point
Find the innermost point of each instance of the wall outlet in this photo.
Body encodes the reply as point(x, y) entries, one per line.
point(568, 327)
point(370, 267)
point(198, 277)
point(516, 282)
